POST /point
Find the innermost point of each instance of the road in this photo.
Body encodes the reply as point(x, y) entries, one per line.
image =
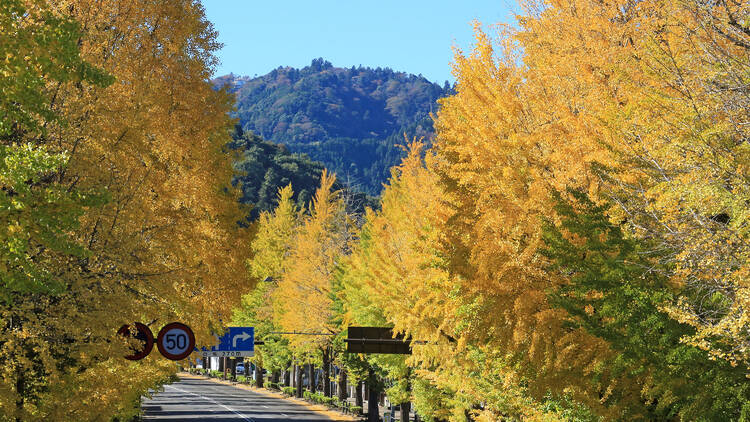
point(198, 400)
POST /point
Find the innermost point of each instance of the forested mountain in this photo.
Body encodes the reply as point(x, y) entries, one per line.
point(263, 167)
point(350, 119)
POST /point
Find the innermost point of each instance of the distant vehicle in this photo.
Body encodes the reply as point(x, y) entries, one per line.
point(199, 365)
point(240, 369)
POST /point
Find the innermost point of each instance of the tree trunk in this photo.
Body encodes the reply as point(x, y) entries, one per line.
point(287, 378)
point(373, 411)
point(222, 361)
point(343, 394)
point(233, 368)
point(406, 406)
point(258, 376)
point(275, 375)
point(298, 370)
point(405, 409)
point(327, 372)
point(360, 392)
point(311, 375)
point(21, 395)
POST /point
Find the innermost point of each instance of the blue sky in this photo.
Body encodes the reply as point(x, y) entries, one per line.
point(413, 36)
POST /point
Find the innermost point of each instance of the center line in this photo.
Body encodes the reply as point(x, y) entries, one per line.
point(215, 402)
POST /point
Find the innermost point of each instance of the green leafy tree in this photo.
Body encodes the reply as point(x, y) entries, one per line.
point(617, 291)
point(263, 167)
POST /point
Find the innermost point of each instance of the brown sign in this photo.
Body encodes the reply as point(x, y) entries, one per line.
point(376, 340)
point(142, 333)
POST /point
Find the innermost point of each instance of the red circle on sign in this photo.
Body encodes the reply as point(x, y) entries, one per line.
point(144, 334)
point(175, 341)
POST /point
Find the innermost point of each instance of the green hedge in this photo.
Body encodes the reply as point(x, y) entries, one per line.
point(320, 398)
point(198, 371)
point(289, 391)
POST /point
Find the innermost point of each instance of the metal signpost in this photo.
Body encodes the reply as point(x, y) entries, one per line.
point(236, 342)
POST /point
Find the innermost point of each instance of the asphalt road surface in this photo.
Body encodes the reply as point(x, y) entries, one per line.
point(202, 400)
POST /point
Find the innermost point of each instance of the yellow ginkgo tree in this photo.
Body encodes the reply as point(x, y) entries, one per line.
point(305, 295)
point(127, 118)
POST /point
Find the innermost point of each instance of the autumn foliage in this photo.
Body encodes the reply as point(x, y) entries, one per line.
point(574, 244)
point(114, 207)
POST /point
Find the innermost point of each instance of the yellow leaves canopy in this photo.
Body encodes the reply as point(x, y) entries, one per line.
point(164, 247)
point(305, 293)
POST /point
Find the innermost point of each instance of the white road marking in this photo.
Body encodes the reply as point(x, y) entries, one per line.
point(215, 402)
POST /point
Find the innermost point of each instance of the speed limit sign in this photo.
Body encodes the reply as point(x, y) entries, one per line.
point(175, 341)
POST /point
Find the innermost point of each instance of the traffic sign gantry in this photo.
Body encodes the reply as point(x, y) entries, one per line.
point(236, 342)
point(175, 341)
point(142, 333)
point(376, 340)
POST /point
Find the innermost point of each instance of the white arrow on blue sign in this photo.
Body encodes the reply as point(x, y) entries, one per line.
point(236, 342)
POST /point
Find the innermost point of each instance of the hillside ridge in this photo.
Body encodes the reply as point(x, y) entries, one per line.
point(350, 119)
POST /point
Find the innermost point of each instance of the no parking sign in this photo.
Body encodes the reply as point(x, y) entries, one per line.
point(142, 333)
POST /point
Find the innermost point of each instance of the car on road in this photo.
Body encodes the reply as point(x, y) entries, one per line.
point(240, 369)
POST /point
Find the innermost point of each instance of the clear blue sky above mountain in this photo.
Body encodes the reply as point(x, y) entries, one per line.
point(413, 36)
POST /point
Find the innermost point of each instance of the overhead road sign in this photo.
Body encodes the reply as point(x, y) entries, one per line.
point(175, 341)
point(142, 333)
point(236, 342)
point(376, 340)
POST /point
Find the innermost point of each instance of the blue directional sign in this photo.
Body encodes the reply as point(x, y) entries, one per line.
point(236, 342)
